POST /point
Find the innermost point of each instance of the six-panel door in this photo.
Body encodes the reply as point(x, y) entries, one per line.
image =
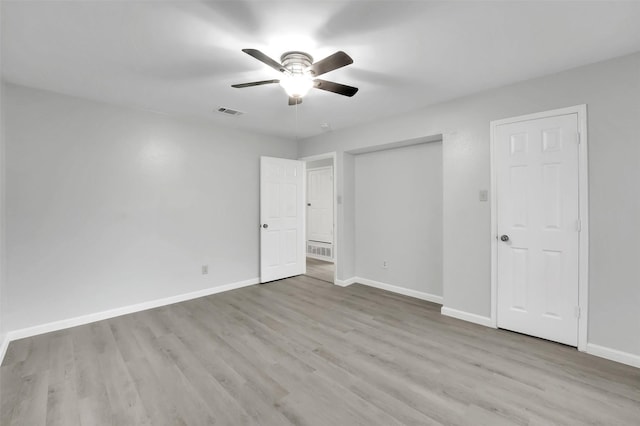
point(281, 218)
point(538, 222)
point(320, 204)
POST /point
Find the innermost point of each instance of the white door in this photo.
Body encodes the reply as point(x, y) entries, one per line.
point(536, 163)
point(320, 204)
point(281, 218)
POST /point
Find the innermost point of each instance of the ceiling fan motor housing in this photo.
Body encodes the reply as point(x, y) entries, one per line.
point(296, 62)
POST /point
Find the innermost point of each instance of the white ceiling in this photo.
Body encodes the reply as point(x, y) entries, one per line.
point(180, 57)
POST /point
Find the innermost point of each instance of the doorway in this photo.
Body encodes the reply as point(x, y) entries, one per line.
point(539, 225)
point(320, 235)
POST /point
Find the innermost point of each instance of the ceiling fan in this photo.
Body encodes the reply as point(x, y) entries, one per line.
point(300, 73)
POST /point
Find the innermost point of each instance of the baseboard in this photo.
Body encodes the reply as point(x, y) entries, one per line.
point(99, 316)
point(4, 344)
point(400, 290)
point(614, 355)
point(466, 316)
point(345, 283)
point(592, 349)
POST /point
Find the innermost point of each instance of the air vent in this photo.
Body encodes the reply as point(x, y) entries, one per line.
point(229, 111)
point(319, 250)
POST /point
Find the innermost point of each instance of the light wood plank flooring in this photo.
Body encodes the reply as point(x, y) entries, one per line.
point(320, 269)
point(304, 352)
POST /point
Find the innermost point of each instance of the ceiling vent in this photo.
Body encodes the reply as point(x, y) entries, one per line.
point(229, 111)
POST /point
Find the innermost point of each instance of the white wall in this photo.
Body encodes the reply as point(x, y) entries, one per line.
point(109, 207)
point(2, 217)
point(346, 250)
point(3, 299)
point(398, 217)
point(611, 90)
point(325, 162)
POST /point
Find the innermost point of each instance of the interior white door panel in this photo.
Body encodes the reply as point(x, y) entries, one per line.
point(538, 223)
point(281, 218)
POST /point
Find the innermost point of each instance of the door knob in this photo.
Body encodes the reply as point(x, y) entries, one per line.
point(265, 226)
point(504, 238)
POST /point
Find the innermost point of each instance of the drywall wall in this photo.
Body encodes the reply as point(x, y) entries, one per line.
point(3, 343)
point(109, 207)
point(3, 271)
point(398, 217)
point(611, 90)
point(325, 162)
point(346, 249)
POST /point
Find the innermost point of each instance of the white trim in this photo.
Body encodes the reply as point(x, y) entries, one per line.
point(304, 217)
point(99, 316)
point(320, 157)
point(334, 156)
point(345, 283)
point(466, 316)
point(319, 168)
point(593, 349)
point(613, 355)
point(397, 144)
point(400, 290)
point(583, 197)
point(493, 238)
point(3, 347)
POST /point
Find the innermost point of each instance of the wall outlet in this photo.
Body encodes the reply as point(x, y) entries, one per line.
point(385, 264)
point(205, 269)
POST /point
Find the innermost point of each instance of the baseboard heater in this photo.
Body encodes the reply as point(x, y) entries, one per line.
point(320, 250)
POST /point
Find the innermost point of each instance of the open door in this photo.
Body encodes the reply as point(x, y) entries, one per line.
point(282, 231)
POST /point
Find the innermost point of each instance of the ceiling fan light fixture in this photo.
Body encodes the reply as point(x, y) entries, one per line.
point(296, 85)
point(299, 73)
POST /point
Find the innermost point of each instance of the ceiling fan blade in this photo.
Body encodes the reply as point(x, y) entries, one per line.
point(295, 101)
point(265, 59)
point(254, 83)
point(330, 86)
point(330, 63)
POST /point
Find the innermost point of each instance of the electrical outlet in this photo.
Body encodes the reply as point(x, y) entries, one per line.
point(385, 264)
point(205, 269)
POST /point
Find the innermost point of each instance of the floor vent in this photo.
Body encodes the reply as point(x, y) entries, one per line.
point(320, 250)
point(229, 111)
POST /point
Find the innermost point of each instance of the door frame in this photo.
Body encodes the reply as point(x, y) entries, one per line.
point(583, 210)
point(333, 155)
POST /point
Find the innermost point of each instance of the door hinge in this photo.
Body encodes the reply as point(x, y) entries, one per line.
point(577, 311)
point(578, 225)
point(579, 139)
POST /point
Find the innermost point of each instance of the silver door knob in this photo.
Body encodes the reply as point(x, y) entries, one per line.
point(504, 238)
point(265, 226)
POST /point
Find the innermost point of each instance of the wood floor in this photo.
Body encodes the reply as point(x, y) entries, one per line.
point(301, 351)
point(320, 269)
